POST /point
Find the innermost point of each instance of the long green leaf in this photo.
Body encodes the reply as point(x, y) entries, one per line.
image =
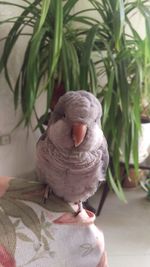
point(108, 96)
point(135, 140)
point(11, 4)
point(86, 55)
point(119, 19)
point(66, 65)
point(15, 33)
point(93, 78)
point(147, 22)
point(57, 36)
point(124, 87)
point(44, 11)
point(84, 20)
point(116, 187)
point(75, 68)
point(16, 91)
point(69, 5)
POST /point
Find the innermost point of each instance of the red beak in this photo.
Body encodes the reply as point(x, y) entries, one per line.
point(78, 133)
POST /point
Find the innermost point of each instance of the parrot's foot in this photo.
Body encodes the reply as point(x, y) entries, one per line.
point(87, 206)
point(80, 208)
point(47, 193)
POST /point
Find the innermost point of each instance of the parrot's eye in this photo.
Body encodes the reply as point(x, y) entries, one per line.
point(64, 116)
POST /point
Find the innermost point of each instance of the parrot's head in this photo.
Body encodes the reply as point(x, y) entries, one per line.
point(75, 122)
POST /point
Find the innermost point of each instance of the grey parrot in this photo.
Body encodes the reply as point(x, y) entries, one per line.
point(72, 154)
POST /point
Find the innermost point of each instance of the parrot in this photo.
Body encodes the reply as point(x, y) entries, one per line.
point(72, 153)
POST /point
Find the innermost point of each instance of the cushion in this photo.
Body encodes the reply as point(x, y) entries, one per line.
point(34, 233)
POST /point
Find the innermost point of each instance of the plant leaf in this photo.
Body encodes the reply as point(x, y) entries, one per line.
point(66, 65)
point(119, 19)
point(108, 96)
point(86, 55)
point(116, 187)
point(15, 33)
point(58, 34)
point(44, 11)
point(93, 78)
point(67, 8)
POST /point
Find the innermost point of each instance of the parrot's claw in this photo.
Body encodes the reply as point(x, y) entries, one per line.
point(80, 208)
point(87, 206)
point(47, 193)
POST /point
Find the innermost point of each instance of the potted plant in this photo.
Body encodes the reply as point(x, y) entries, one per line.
point(120, 57)
point(72, 50)
point(133, 178)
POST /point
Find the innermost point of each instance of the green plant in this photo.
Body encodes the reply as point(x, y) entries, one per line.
point(72, 50)
point(57, 54)
point(125, 67)
point(146, 186)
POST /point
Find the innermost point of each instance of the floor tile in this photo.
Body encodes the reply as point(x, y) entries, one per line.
point(126, 228)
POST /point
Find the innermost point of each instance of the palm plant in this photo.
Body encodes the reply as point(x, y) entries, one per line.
point(72, 50)
point(57, 54)
point(125, 68)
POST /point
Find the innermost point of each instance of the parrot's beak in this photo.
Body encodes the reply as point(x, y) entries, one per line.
point(78, 133)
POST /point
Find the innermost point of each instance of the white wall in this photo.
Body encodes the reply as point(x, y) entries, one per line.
point(18, 157)
point(135, 17)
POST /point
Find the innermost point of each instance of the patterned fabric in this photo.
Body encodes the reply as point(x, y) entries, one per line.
point(35, 234)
